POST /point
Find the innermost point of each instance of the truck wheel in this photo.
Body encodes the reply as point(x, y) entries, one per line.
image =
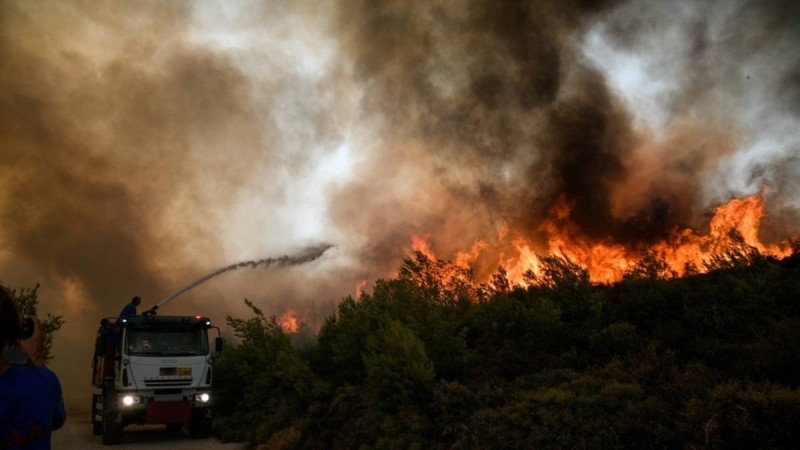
point(174, 427)
point(112, 428)
point(97, 422)
point(200, 426)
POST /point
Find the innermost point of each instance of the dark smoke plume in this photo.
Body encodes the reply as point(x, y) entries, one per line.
point(492, 105)
point(499, 111)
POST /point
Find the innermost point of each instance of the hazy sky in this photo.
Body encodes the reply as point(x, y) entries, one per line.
point(144, 144)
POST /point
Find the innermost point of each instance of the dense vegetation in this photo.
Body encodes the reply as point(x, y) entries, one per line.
point(430, 359)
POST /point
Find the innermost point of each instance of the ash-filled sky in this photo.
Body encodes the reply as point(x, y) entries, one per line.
point(144, 144)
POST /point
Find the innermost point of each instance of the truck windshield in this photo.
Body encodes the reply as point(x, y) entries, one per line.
point(161, 342)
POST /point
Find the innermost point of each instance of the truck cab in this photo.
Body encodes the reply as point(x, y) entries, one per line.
point(152, 369)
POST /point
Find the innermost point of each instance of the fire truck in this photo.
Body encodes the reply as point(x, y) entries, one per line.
point(150, 369)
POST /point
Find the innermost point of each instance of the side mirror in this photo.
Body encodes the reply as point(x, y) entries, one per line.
point(218, 344)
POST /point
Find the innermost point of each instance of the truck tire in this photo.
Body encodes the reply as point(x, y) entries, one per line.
point(174, 427)
point(112, 427)
point(200, 426)
point(97, 424)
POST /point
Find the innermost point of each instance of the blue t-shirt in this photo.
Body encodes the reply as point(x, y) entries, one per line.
point(128, 310)
point(31, 407)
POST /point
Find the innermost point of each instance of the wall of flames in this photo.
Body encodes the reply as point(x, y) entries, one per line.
point(685, 249)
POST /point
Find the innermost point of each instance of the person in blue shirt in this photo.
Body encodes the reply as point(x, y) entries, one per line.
point(130, 308)
point(31, 402)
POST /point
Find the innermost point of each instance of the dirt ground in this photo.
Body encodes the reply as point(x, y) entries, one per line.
point(76, 434)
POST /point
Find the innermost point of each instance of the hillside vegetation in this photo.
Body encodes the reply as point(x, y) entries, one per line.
point(432, 360)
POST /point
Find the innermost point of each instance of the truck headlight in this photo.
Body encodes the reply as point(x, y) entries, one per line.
point(128, 400)
point(205, 397)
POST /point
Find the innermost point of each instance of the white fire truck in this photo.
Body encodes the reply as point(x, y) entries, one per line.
point(152, 369)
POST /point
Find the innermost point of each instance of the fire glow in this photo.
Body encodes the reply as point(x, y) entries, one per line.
point(683, 251)
point(290, 321)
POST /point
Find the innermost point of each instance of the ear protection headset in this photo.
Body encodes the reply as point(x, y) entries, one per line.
point(11, 328)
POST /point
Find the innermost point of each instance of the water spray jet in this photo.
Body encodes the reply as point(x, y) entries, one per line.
point(307, 255)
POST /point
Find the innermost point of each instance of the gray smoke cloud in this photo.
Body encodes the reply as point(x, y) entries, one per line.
point(127, 150)
point(147, 143)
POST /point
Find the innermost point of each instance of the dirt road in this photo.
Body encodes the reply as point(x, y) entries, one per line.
point(77, 435)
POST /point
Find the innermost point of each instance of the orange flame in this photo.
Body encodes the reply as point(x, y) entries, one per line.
point(608, 261)
point(290, 321)
point(360, 286)
point(420, 244)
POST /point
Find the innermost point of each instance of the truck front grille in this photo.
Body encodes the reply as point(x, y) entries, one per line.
point(177, 391)
point(168, 382)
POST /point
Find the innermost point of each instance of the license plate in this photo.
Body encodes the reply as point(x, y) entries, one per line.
point(175, 371)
